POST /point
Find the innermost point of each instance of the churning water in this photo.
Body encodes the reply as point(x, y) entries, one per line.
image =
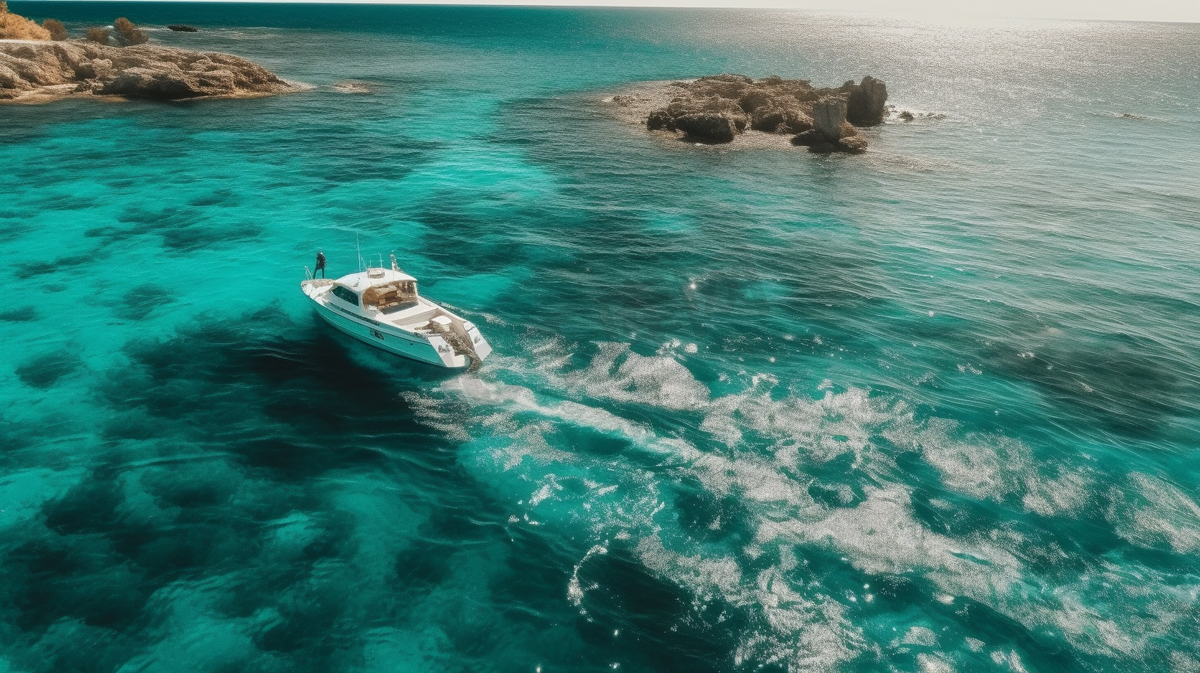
point(936, 407)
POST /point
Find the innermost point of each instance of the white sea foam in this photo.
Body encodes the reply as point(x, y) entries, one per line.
point(574, 588)
point(619, 374)
point(1151, 512)
point(797, 625)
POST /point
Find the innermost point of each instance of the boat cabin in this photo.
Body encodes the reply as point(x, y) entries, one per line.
point(394, 295)
point(383, 290)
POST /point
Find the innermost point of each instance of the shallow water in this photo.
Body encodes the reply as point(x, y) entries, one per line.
point(931, 408)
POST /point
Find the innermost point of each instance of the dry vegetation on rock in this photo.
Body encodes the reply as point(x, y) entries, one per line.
point(128, 34)
point(97, 35)
point(16, 27)
point(57, 31)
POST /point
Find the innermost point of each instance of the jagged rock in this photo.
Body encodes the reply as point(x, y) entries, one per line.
point(807, 138)
point(852, 144)
point(11, 79)
point(755, 98)
point(142, 71)
point(865, 106)
point(659, 119)
point(828, 115)
point(709, 126)
point(778, 120)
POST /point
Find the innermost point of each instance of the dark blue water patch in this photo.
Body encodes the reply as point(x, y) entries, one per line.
point(331, 392)
point(45, 370)
point(708, 517)
point(144, 219)
point(224, 198)
point(836, 483)
point(340, 155)
point(16, 224)
point(1126, 384)
point(181, 230)
point(140, 301)
point(655, 616)
point(1042, 649)
point(27, 270)
point(19, 314)
point(210, 528)
point(191, 239)
point(421, 568)
point(67, 202)
point(451, 238)
point(50, 581)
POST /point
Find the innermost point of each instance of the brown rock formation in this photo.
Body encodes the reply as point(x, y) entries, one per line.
point(142, 71)
point(866, 103)
point(828, 116)
point(716, 109)
point(713, 127)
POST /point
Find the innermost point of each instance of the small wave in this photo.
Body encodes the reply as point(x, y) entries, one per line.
point(354, 86)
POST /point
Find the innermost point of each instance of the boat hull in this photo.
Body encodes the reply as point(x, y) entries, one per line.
point(412, 348)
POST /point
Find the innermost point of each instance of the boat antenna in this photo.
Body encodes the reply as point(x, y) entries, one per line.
point(358, 250)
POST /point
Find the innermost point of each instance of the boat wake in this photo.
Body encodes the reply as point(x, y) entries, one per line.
point(806, 515)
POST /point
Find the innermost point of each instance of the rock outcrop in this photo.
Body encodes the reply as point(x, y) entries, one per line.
point(717, 109)
point(866, 103)
point(828, 116)
point(713, 127)
point(35, 70)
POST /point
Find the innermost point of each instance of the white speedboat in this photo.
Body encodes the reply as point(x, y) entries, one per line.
point(381, 307)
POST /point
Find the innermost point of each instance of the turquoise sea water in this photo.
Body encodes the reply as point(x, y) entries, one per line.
point(932, 408)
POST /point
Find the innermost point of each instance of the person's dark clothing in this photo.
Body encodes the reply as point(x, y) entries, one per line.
point(320, 265)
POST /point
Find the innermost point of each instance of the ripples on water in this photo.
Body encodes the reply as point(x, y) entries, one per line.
point(932, 408)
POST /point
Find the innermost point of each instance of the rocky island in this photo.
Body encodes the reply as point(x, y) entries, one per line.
point(34, 71)
point(38, 63)
point(719, 108)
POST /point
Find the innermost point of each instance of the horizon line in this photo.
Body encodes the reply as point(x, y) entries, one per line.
point(922, 10)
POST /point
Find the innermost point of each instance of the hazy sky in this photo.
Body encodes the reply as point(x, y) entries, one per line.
point(1129, 10)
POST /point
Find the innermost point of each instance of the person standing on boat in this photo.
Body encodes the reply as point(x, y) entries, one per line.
point(320, 264)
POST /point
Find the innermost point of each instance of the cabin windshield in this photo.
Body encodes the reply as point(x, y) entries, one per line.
point(393, 296)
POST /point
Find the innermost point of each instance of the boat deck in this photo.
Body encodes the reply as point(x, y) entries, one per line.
point(409, 316)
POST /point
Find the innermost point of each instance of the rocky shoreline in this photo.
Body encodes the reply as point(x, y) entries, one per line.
point(40, 71)
point(722, 108)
